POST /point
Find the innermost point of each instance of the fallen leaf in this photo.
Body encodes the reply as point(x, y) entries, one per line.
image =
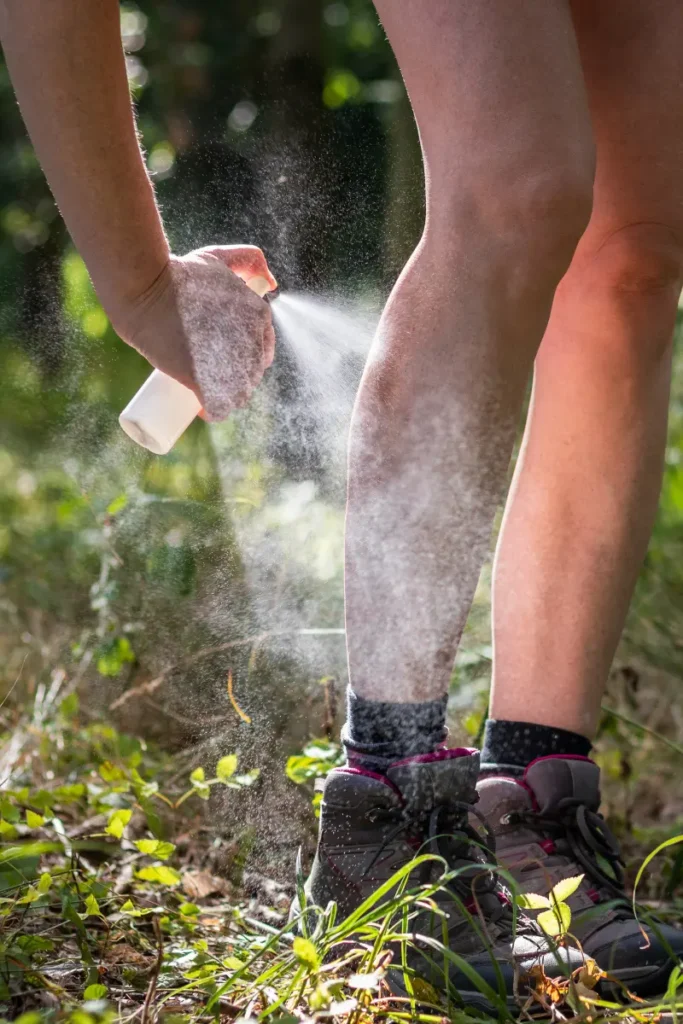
point(212, 923)
point(200, 884)
point(589, 975)
point(584, 993)
point(122, 953)
point(544, 986)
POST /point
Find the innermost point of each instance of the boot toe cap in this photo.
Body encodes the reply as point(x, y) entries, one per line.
point(641, 962)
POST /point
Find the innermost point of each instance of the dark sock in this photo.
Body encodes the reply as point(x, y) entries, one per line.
point(377, 733)
point(513, 745)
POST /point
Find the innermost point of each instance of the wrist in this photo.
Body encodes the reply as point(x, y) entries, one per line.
point(128, 304)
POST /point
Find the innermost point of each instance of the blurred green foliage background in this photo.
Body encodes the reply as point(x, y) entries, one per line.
point(283, 123)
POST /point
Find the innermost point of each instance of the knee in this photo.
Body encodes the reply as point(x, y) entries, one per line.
point(641, 262)
point(636, 276)
point(530, 219)
point(542, 220)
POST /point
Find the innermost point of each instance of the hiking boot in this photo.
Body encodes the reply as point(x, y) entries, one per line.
point(547, 827)
point(371, 825)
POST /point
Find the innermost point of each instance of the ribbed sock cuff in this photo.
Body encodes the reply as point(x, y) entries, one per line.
point(377, 733)
point(513, 745)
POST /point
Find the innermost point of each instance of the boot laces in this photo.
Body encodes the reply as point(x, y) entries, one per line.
point(584, 836)
point(445, 831)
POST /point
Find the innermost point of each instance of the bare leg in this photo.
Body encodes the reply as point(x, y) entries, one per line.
point(499, 100)
point(586, 488)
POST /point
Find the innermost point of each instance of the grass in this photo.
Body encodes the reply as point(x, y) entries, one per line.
point(124, 894)
point(110, 910)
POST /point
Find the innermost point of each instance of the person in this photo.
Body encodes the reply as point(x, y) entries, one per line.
point(552, 138)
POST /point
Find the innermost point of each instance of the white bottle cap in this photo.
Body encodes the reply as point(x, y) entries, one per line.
point(163, 408)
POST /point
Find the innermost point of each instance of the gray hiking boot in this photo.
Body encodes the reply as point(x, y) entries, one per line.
point(547, 827)
point(372, 825)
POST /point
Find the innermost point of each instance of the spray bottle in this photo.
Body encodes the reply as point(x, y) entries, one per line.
point(163, 408)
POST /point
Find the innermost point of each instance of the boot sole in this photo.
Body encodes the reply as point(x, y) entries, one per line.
point(641, 982)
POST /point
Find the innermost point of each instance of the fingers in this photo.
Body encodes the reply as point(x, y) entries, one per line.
point(268, 346)
point(242, 397)
point(227, 332)
point(244, 260)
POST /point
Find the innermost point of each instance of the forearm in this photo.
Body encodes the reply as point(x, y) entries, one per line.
point(68, 69)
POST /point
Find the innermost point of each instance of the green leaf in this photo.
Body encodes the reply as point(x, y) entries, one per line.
point(155, 848)
point(143, 789)
point(132, 911)
point(532, 901)
point(95, 992)
point(306, 953)
point(233, 963)
point(8, 811)
point(299, 768)
point(564, 888)
point(197, 778)
point(117, 505)
point(159, 873)
point(317, 760)
point(202, 971)
point(92, 907)
point(44, 883)
point(113, 655)
point(555, 921)
point(111, 772)
point(34, 820)
point(70, 706)
point(7, 831)
point(30, 896)
point(226, 767)
point(42, 800)
point(189, 909)
point(118, 821)
point(68, 794)
point(31, 944)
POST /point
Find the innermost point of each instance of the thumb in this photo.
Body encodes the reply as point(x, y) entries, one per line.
point(244, 260)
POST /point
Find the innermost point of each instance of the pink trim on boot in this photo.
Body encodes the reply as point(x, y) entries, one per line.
point(437, 755)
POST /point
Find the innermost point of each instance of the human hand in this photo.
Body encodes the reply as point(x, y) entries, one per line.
point(200, 323)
